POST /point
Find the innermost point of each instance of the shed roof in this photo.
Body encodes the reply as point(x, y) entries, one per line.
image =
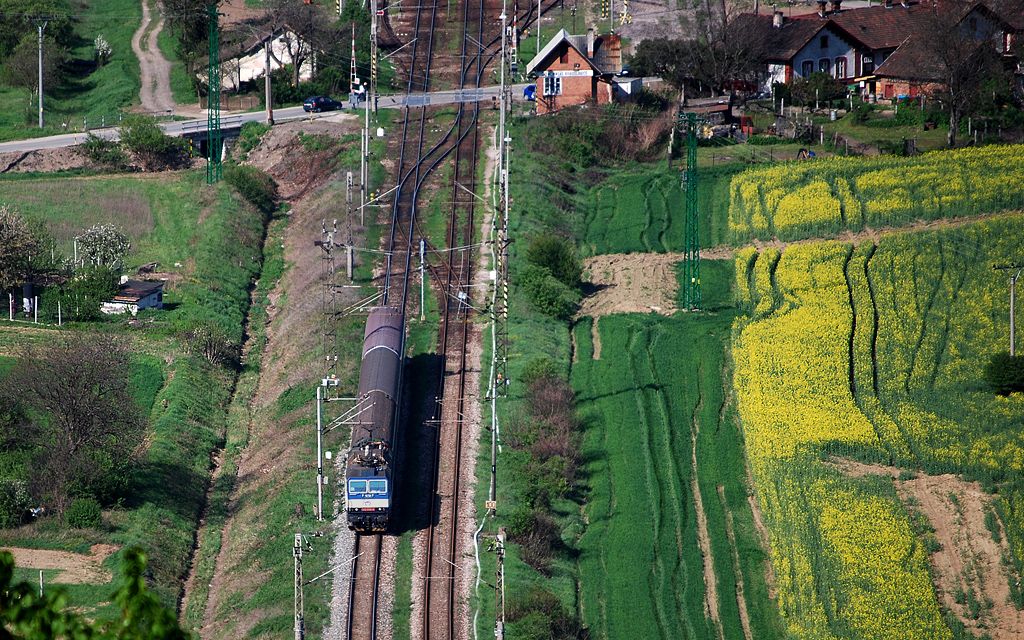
point(607, 52)
point(135, 290)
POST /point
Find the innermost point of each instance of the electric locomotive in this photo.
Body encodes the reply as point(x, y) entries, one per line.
point(369, 469)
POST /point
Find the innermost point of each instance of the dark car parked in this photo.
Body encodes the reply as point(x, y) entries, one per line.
point(316, 104)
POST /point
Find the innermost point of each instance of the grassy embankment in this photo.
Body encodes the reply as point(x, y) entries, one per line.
point(86, 92)
point(875, 352)
point(256, 577)
point(218, 240)
point(614, 207)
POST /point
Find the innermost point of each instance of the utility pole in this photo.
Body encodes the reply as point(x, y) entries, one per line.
point(319, 455)
point(375, 13)
point(266, 79)
point(41, 24)
point(499, 585)
point(1015, 270)
point(299, 604)
point(423, 280)
point(353, 78)
point(538, 27)
point(691, 235)
point(214, 162)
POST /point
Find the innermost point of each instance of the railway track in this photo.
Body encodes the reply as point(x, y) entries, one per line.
point(452, 272)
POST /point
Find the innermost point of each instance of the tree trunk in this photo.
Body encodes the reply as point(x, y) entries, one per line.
point(954, 124)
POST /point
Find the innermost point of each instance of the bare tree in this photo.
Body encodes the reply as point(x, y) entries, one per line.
point(956, 48)
point(17, 246)
point(720, 48)
point(305, 25)
point(76, 388)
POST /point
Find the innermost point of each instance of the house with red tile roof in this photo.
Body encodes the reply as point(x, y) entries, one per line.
point(855, 46)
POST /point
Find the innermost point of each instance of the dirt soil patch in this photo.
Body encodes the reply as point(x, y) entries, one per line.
point(43, 160)
point(969, 558)
point(74, 568)
point(635, 282)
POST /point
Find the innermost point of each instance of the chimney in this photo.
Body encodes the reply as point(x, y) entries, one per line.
point(590, 42)
point(837, 6)
point(821, 8)
point(777, 19)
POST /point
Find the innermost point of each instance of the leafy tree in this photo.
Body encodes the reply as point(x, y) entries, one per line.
point(102, 151)
point(14, 29)
point(21, 67)
point(104, 246)
point(662, 57)
point(80, 297)
point(189, 24)
point(18, 243)
point(25, 615)
point(76, 389)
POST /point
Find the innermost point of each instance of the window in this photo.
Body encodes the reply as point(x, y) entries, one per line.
point(357, 486)
point(552, 86)
point(825, 65)
point(824, 42)
point(840, 67)
point(807, 68)
point(378, 486)
point(869, 65)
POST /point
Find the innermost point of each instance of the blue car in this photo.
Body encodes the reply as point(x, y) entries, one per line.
point(530, 93)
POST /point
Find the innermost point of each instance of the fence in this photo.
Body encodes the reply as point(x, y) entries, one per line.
point(234, 103)
point(100, 122)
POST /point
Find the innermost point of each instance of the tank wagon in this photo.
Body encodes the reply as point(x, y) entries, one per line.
point(369, 468)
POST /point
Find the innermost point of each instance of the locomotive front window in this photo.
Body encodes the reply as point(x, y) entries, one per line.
point(357, 486)
point(378, 486)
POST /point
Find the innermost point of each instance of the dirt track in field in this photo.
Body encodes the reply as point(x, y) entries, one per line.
point(969, 556)
point(74, 568)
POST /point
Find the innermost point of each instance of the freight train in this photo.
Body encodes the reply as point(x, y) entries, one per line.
point(369, 467)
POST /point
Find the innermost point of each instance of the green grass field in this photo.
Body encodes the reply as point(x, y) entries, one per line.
point(659, 426)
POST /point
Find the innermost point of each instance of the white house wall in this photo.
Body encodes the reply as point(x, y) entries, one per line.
point(814, 52)
point(776, 75)
point(254, 66)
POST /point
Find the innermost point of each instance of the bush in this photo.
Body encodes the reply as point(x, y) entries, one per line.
point(1005, 373)
point(538, 368)
point(558, 256)
point(250, 136)
point(103, 152)
point(84, 513)
point(539, 614)
point(14, 502)
point(547, 294)
point(143, 137)
point(258, 188)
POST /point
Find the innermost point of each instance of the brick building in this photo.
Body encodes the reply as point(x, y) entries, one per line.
point(574, 70)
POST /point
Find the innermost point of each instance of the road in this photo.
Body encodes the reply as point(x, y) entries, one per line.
point(181, 127)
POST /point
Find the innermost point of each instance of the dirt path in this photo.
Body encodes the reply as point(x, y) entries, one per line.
point(75, 568)
point(969, 563)
point(155, 94)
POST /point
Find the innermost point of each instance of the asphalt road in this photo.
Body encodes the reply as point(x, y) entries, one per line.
point(280, 115)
